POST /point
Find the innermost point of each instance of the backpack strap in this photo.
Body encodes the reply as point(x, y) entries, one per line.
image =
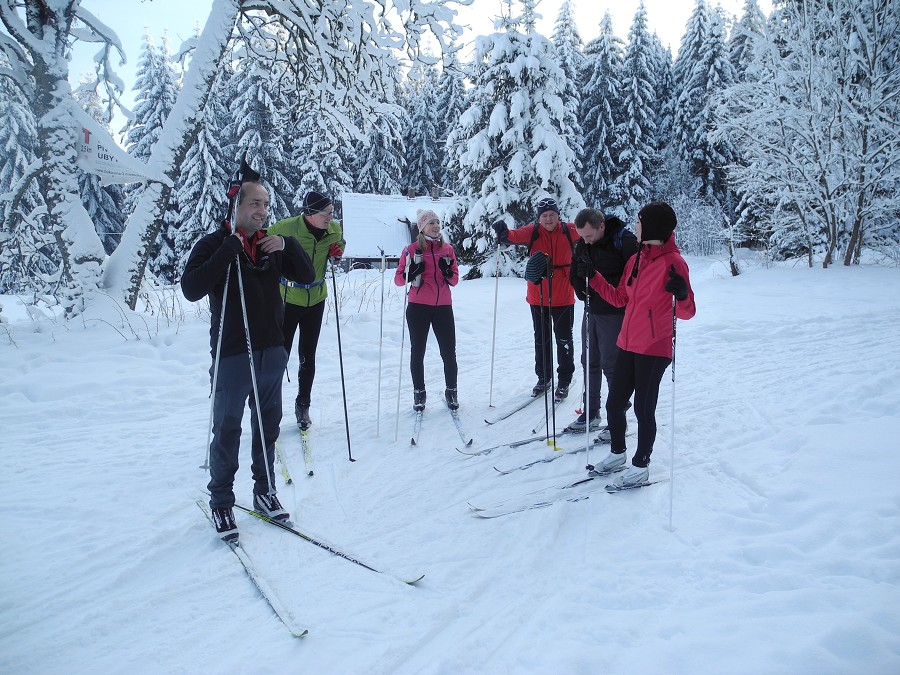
point(565, 229)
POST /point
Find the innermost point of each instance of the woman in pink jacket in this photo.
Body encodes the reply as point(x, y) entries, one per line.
point(652, 277)
point(429, 265)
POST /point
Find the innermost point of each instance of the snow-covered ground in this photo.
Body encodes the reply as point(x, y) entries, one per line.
point(783, 556)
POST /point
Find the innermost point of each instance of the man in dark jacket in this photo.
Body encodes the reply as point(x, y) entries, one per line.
point(251, 264)
point(605, 245)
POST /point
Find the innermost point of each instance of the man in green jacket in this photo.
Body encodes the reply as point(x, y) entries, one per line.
point(321, 238)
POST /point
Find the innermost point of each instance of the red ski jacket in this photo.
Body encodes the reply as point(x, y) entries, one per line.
point(647, 327)
point(559, 247)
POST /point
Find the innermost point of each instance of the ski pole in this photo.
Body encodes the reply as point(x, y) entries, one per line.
point(212, 402)
point(262, 436)
point(552, 361)
point(494, 333)
point(337, 324)
point(402, 341)
point(380, 345)
point(586, 340)
point(544, 364)
point(212, 397)
point(672, 422)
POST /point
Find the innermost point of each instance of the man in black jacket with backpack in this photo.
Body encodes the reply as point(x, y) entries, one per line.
point(605, 246)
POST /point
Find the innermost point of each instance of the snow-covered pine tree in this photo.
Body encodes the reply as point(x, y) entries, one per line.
point(26, 258)
point(157, 83)
point(638, 128)
point(156, 87)
point(510, 145)
point(671, 177)
point(380, 158)
point(749, 28)
point(452, 103)
point(688, 104)
point(421, 101)
point(204, 175)
point(568, 46)
point(319, 156)
point(708, 75)
point(601, 113)
point(258, 122)
point(664, 106)
point(104, 204)
point(751, 225)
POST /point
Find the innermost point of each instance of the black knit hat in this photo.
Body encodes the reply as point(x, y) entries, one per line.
point(658, 221)
point(547, 204)
point(314, 202)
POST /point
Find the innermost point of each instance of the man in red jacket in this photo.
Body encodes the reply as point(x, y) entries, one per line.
point(553, 300)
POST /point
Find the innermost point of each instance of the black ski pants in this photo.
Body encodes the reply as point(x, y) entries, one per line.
point(563, 321)
point(420, 318)
point(639, 374)
point(309, 321)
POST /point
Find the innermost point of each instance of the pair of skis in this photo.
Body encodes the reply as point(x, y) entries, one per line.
point(516, 407)
point(265, 590)
point(572, 492)
point(306, 446)
point(457, 422)
point(524, 441)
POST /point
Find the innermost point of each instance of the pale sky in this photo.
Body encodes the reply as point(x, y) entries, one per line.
point(130, 19)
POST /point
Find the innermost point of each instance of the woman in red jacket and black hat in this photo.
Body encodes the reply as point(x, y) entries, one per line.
point(652, 277)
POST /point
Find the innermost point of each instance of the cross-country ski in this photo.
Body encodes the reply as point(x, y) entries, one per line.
point(306, 447)
point(265, 590)
point(326, 546)
point(574, 491)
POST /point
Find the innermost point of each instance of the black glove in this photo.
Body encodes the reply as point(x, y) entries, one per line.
point(446, 265)
point(502, 232)
point(580, 288)
point(234, 243)
point(584, 266)
point(415, 269)
point(676, 285)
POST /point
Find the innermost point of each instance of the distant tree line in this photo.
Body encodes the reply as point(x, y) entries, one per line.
point(778, 132)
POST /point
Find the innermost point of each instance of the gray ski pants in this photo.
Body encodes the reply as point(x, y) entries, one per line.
point(602, 331)
point(234, 388)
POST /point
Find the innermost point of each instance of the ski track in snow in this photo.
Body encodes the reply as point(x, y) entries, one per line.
point(784, 556)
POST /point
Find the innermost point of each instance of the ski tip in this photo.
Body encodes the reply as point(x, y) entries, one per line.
point(413, 582)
